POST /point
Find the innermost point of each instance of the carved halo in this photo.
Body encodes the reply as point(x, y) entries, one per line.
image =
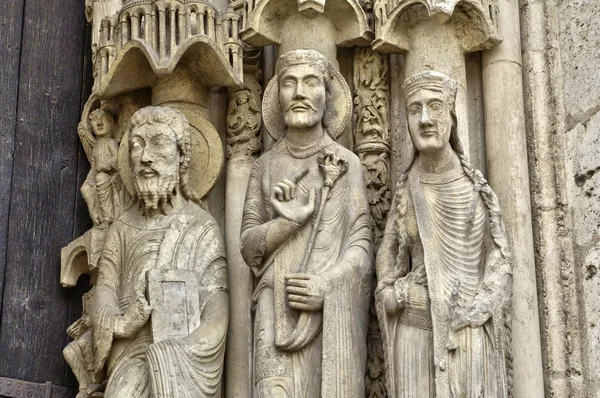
point(207, 158)
point(338, 108)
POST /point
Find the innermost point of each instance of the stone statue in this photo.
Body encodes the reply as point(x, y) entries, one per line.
point(443, 266)
point(306, 236)
point(103, 189)
point(168, 248)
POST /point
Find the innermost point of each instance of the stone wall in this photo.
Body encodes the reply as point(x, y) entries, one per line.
point(580, 53)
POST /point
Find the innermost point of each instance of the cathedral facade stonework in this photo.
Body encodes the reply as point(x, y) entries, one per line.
point(300, 198)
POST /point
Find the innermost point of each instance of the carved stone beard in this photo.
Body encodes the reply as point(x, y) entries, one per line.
point(157, 190)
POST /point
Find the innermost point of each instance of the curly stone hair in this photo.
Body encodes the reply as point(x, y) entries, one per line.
point(179, 125)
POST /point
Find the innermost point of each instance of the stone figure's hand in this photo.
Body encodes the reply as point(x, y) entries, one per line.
point(136, 316)
point(411, 290)
point(389, 301)
point(305, 292)
point(287, 205)
point(475, 316)
point(417, 295)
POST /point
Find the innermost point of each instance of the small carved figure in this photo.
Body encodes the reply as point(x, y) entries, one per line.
point(311, 253)
point(443, 266)
point(167, 241)
point(243, 122)
point(103, 189)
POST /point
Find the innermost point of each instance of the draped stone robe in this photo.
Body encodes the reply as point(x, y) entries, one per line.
point(332, 364)
point(444, 234)
point(188, 239)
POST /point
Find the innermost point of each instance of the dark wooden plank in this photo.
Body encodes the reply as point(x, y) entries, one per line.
point(82, 221)
point(35, 309)
point(11, 19)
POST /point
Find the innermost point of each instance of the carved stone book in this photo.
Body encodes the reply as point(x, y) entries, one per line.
point(173, 294)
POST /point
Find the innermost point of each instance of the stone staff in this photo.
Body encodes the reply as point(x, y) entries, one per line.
point(332, 166)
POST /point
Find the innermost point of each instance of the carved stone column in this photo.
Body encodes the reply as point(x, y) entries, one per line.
point(553, 234)
point(372, 145)
point(508, 174)
point(243, 146)
point(372, 132)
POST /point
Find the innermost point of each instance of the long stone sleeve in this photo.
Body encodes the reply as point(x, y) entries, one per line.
point(261, 235)
point(105, 302)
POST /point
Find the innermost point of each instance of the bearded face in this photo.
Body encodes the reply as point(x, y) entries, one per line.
point(154, 160)
point(302, 96)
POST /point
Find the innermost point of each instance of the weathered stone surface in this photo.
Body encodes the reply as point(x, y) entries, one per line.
point(172, 52)
point(583, 169)
point(556, 269)
point(583, 183)
point(591, 299)
point(580, 50)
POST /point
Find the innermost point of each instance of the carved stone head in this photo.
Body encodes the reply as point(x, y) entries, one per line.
point(159, 154)
point(323, 96)
point(102, 123)
point(304, 78)
point(430, 100)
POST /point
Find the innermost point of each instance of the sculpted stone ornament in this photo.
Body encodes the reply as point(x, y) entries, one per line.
point(169, 249)
point(306, 236)
point(443, 266)
point(243, 122)
point(372, 136)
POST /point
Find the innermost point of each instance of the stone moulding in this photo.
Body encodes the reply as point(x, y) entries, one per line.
point(474, 22)
point(149, 38)
point(263, 20)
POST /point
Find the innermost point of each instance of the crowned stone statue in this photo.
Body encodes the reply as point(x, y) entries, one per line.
point(444, 276)
point(306, 236)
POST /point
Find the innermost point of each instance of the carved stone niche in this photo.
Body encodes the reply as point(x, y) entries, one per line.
point(436, 35)
point(473, 22)
point(148, 39)
point(340, 23)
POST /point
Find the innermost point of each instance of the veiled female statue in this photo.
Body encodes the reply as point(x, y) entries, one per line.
point(443, 265)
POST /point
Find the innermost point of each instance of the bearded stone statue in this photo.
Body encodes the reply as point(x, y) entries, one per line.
point(443, 267)
point(306, 236)
point(168, 249)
